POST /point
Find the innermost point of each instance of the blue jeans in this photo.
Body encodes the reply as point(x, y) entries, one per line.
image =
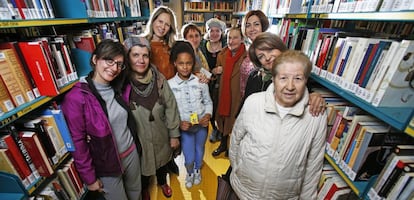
point(193, 144)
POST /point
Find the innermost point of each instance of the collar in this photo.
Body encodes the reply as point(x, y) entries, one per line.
point(179, 81)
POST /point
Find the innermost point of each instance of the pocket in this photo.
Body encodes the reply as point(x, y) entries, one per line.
point(103, 153)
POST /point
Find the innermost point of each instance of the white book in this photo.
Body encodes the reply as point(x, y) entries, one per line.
point(399, 185)
point(386, 5)
point(395, 90)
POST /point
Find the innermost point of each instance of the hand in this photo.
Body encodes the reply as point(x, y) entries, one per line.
point(185, 125)
point(96, 186)
point(202, 78)
point(317, 104)
point(217, 70)
point(175, 143)
point(205, 120)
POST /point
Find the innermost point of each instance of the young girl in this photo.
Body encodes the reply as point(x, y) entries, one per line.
point(195, 107)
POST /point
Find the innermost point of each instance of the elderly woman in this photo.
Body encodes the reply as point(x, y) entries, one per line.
point(277, 146)
point(156, 113)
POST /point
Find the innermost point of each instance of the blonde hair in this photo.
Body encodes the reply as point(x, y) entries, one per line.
point(292, 56)
point(170, 37)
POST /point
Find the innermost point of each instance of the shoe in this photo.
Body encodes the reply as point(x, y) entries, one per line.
point(145, 195)
point(197, 177)
point(189, 179)
point(172, 167)
point(219, 150)
point(166, 190)
point(213, 136)
point(226, 153)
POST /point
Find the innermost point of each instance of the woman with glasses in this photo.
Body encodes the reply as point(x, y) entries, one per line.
point(103, 129)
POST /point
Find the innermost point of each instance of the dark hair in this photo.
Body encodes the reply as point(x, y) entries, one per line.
point(182, 46)
point(107, 49)
point(262, 17)
point(265, 41)
point(186, 28)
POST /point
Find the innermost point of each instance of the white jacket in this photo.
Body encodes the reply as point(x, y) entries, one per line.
point(274, 158)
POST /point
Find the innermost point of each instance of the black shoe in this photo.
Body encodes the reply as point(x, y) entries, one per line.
point(219, 150)
point(172, 167)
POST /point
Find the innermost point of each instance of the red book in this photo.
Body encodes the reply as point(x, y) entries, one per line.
point(337, 185)
point(21, 6)
point(71, 173)
point(37, 152)
point(7, 141)
point(85, 43)
point(10, 157)
point(35, 57)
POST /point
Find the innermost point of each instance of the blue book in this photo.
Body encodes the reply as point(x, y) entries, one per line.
point(364, 62)
point(382, 45)
point(62, 126)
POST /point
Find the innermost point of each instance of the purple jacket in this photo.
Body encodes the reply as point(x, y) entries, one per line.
point(86, 117)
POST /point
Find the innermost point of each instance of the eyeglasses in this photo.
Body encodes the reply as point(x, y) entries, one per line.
point(119, 64)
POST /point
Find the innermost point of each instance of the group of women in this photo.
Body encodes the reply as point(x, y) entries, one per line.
point(126, 120)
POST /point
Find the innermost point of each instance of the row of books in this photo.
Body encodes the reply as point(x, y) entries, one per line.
point(246, 5)
point(359, 144)
point(331, 186)
point(373, 69)
point(66, 185)
point(26, 9)
point(46, 9)
point(35, 146)
point(29, 69)
point(208, 6)
point(396, 181)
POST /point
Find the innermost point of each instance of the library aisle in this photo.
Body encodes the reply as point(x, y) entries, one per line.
point(206, 190)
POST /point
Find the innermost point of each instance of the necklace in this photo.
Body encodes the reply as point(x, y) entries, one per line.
point(214, 50)
point(147, 91)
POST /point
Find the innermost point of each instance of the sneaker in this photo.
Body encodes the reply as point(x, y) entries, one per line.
point(189, 179)
point(197, 177)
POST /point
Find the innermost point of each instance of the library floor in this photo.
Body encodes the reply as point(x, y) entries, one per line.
point(213, 166)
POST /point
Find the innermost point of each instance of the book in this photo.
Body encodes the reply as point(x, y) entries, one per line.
point(55, 135)
point(6, 103)
point(35, 57)
point(404, 149)
point(407, 191)
point(66, 182)
point(37, 152)
point(7, 142)
point(11, 82)
point(399, 185)
point(38, 125)
point(57, 113)
point(392, 178)
point(6, 165)
point(18, 72)
point(395, 90)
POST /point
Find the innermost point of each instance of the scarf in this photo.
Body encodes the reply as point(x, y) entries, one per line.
point(225, 95)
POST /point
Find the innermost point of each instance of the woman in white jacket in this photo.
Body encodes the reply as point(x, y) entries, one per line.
point(277, 146)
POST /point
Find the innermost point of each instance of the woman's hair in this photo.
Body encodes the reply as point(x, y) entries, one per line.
point(262, 17)
point(186, 28)
point(107, 49)
point(235, 29)
point(182, 46)
point(292, 56)
point(171, 35)
point(265, 41)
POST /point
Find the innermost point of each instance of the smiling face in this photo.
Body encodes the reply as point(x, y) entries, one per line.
point(184, 64)
point(234, 39)
point(215, 34)
point(289, 83)
point(139, 59)
point(253, 27)
point(104, 73)
point(266, 57)
point(161, 26)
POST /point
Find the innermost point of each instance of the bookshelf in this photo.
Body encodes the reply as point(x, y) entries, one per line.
point(357, 19)
point(198, 12)
point(69, 15)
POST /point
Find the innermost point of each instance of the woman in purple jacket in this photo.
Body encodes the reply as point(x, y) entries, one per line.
point(106, 150)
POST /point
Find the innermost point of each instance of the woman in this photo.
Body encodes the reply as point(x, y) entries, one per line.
point(228, 64)
point(254, 23)
point(103, 129)
point(195, 106)
point(214, 41)
point(155, 110)
point(262, 52)
point(192, 33)
point(161, 32)
point(277, 146)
